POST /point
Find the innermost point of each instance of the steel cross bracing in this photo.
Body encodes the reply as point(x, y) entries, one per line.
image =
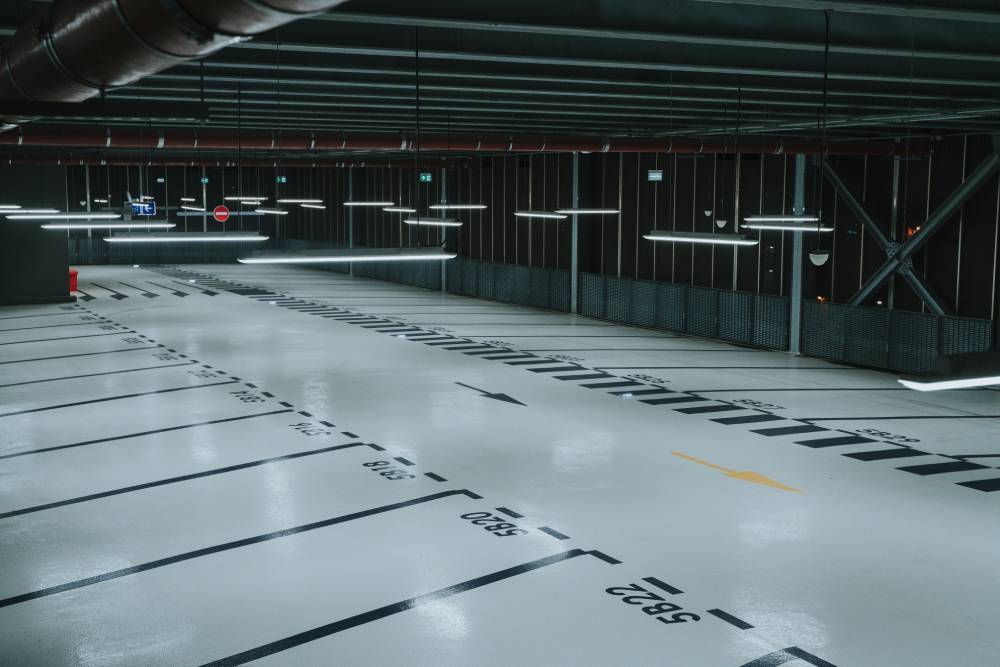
point(899, 256)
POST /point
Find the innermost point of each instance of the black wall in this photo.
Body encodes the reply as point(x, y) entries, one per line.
point(959, 261)
point(34, 263)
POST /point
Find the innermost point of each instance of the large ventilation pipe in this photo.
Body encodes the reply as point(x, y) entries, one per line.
point(78, 48)
point(181, 139)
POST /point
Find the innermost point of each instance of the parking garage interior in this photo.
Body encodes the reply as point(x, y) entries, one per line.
point(613, 332)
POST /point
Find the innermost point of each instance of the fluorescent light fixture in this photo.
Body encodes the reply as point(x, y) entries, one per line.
point(246, 198)
point(433, 222)
point(457, 207)
point(781, 218)
point(958, 371)
point(271, 211)
point(700, 237)
point(37, 211)
point(67, 216)
point(100, 201)
point(588, 211)
point(188, 199)
point(545, 215)
point(192, 208)
point(785, 226)
point(189, 237)
point(147, 198)
point(318, 207)
point(966, 383)
point(9, 207)
point(399, 209)
point(349, 255)
point(250, 202)
point(369, 203)
point(300, 201)
point(111, 225)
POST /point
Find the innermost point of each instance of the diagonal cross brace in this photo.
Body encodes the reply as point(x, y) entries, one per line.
point(929, 297)
point(897, 261)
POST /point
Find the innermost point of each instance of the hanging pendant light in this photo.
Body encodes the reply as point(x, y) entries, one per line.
point(820, 256)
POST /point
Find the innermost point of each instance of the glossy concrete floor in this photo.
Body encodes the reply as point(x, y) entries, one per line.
point(227, 464)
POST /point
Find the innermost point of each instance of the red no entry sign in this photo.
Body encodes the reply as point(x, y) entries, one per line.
point(221, 213)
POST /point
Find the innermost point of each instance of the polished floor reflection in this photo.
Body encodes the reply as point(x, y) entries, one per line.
point(226, 464)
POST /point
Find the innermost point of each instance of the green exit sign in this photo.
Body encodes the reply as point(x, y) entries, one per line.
point(426, 177)
point(204, 180)
point(282, 179)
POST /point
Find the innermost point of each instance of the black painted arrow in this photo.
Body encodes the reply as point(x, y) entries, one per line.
point(175, 292)
point(486, 394)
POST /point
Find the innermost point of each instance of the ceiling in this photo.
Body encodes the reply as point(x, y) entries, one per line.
point(603, 67)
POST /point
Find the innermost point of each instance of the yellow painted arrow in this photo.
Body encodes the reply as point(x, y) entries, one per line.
point(745, 475)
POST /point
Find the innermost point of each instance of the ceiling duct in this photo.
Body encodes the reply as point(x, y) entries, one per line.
point(78, 48)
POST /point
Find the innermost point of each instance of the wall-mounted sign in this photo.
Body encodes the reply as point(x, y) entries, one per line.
point(282, 179)
point(426, 177)
point(204, 180)
point(145, 208)
point(160, 179)
point(221, 213)
point(654, 175)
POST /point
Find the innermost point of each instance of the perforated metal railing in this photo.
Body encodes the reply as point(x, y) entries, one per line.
point(890, 339)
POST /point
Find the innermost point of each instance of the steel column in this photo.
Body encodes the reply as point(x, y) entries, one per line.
point(574, 270)
point(798, 257)
point(350, 215)
point(441, 236)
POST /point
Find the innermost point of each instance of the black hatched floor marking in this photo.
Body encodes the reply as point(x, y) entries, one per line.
point(625, 388)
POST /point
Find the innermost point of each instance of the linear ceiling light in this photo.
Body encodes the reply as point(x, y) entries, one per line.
point(192, 208)
point(318, 207)
point(189, 237)
point(347, 255)
point(700, 237)
point(110, 225)
point(785, 226)
point(781, 218)
point(100, 201)
point(457, 207)
point(9, 207)
point(146, 198)
point(271, 211)
point(369, 203)
point(250, 202)
point(545, 215)
point(187, 199)
point(67, 216)
point(433, 222)
point(37, 211)
point(246, 198)
point(399, 209)
point(588, 211)
point(300, 201)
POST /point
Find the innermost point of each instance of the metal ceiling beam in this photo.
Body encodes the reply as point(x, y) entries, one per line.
point(557, 61)
point(948, 208)
point(657, 37)
point(933, 302)
point(876, 7)
point(661, 84)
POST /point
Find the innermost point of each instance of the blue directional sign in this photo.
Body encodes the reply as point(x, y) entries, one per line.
point(144, 208)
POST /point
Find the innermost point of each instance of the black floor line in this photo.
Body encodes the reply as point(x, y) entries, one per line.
point(879, 418)
point(175, 480)
point(81, 354)
point(730, 619)
point(797, 389)
point(90, 375)
point(633, 349)
point(113, 398)
point(731, 368)
point(236, 544)
point(75, 311)
point(56, 326)
point(49, 340)
point(392, 609)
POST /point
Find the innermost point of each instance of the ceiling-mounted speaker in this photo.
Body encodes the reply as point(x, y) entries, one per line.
point(819, 257)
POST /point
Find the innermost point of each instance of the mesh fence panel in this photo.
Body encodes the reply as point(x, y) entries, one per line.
point(866, 339)
point(770, 322)
point(913, 341)
point(671, 307)
point(736, 316)
point(539, 287)
point(643, 303)
point(591, 288)
point(520, 285)
point(618, 299)
point(702, 312)
point(959, 335)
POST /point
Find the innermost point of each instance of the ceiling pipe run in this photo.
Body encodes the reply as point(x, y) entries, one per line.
point(302, 163)
point(77, 48)
point(180, 139)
